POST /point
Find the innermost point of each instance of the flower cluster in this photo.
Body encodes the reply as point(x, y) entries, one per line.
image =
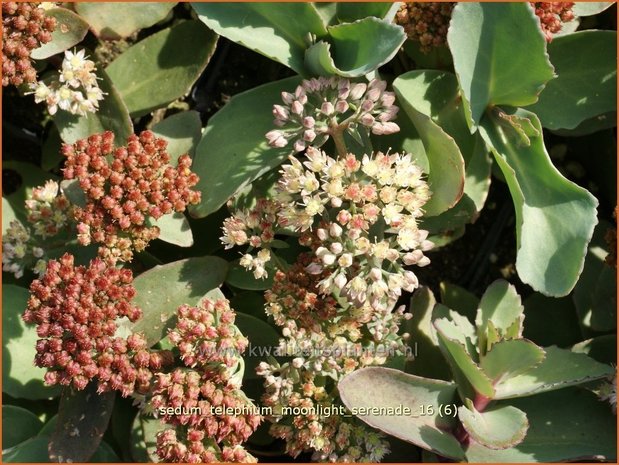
point(123, 188)
point(385, 189)
point(426, 22)
point(24, 28)
point(255, 227)
point(76, 309)
point(49, 211)
point(76, 90)
point(326, 340)
point(323, 107)
point(20, 251)
point(189, 447)
point(552, 15)
point(210, 346)
point(319, 427)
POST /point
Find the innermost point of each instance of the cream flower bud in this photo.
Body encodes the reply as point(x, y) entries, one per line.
point(340, 281)
point(296, 107)
point(336, 248)
point(309, 122)
point(321, 233)
point(327, 108)
point(345, 260)
point(376, 274)
point(357, 91)
point(341, 106)
point(335, 230)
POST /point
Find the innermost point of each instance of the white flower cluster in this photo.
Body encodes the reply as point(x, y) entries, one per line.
point(322, 105)
point(48, 211)
point(18, 251)
point(386, 190)
point(76, 90)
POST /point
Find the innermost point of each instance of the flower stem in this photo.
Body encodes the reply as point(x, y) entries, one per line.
point(337, 132)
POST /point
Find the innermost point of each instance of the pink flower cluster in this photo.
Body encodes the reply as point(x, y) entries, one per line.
point(210, 346)
point(124, 187)
point(76, 309)
point(24, 28)
point(552, 15)
point(321, 106)
point(426, 22)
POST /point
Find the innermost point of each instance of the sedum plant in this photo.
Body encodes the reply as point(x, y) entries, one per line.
point(479, 415)
point(214, 215)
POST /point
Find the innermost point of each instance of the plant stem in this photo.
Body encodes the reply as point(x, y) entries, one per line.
point(337, 132)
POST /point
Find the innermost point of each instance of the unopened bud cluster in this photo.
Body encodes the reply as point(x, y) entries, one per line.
point(75, 91)
point(320, 106)
point(76, 309)
point(210, 347)
point(426, 22)
point(124, 187)
point(24, 28)
point(552, 15)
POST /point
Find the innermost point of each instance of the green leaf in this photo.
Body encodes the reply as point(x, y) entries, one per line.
point(586, 85)
point(436, 94)
point(499, 427)
point(279, 31)
point(113, 21)
point(446, 165)
point(539, 310)
point(143, 438)
point(20, 378)
point(600, 348)
point(500, 305)
point(35, 450)
point(423, 338)
point(51, 156)
point(162, 67)
point(468, 375)
point(233, 150)
point(352, 11)
point(595, 294)
point(70, 30)
point(547, 206)
point(263, 340)
point(590, 126)
point(590, 8)
point(510, 358)
point(387, 388)
point(112, 116)
point(490, 69)
point(174, 229)
point(459, 299)
point(162, 289)
point(182, 132)
point(560, 368)
point(19, 425)
point(83, 417)
point(355, 49)
point(239, 277)
point(565, 426)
